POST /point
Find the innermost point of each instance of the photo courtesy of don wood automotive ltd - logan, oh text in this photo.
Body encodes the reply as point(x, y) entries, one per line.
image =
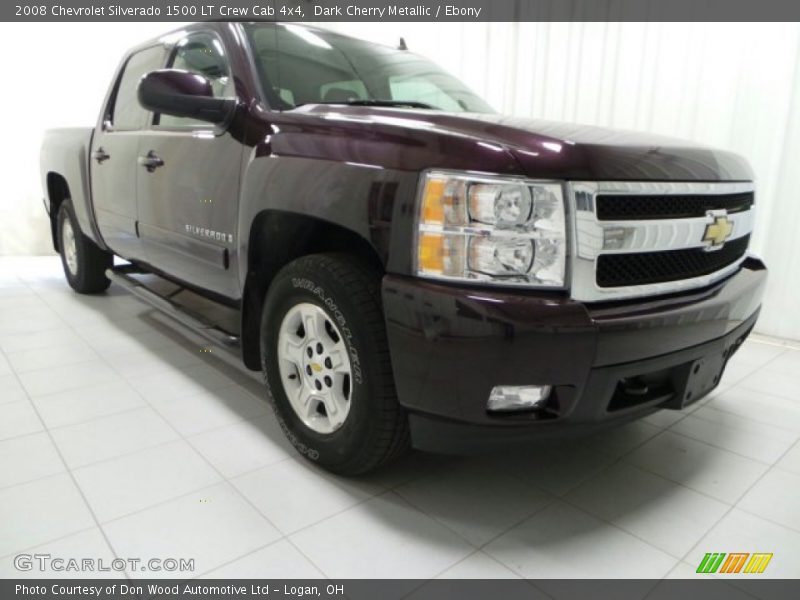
point(425, 300)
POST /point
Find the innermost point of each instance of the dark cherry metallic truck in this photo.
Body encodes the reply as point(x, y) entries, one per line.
point(408, 266)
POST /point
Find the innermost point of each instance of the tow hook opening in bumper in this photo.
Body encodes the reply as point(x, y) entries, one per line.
point(642, 389)
point(675, 387)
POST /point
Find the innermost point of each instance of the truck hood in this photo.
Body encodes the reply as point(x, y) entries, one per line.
point(572, 151)
point(553, 150)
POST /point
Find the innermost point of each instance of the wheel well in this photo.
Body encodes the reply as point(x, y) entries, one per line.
point(276, 239)
point(57, 192)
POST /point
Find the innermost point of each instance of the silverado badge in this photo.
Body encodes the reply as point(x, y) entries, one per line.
point(718, 230)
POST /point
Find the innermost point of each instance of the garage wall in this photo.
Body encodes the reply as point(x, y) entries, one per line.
point(55, 75)
point(732, 85)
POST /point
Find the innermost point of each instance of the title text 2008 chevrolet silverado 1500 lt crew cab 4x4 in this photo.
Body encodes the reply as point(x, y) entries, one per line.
point(409, 267)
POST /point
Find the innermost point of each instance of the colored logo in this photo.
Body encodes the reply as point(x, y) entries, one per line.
point(719, 230)
point(734, 562)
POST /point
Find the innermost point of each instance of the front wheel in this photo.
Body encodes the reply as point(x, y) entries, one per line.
point(84, 262)
point(326, 363)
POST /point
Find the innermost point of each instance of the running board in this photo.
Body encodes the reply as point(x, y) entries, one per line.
point(199, 324)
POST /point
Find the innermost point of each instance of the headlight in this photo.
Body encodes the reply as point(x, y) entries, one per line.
point(491, 229)
point(501, 205)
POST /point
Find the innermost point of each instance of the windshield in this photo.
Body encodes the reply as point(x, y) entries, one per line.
point(298, 65)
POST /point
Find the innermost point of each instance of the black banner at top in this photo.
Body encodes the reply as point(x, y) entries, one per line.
point(400, 10)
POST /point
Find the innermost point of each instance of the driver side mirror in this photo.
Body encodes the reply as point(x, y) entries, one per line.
point(183, 94)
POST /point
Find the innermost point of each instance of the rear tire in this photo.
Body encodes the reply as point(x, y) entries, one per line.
point(338, 367)
point(84, 262)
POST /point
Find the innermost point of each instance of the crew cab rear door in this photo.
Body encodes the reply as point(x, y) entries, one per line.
point(188, 181)
point(112, 161)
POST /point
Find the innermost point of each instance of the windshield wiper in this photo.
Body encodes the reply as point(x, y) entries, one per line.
point(388, 103)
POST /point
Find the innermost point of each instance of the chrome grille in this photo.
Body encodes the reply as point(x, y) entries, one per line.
point(633, 239)
point(640, 268)
point(614, 207)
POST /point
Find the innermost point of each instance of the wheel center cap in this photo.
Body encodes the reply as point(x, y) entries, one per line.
point(316, 367)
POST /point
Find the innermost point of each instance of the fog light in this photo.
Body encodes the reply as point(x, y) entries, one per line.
point(505, 398)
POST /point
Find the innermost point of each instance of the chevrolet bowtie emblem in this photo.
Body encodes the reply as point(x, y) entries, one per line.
point(718, 230)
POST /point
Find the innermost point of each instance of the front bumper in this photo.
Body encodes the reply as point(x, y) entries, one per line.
point(451, 345)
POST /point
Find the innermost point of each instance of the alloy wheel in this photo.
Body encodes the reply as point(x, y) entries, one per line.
point(315, 368)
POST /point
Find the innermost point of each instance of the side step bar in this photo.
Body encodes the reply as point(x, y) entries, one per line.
point(199, 324)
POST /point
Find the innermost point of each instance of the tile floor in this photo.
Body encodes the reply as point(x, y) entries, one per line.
point(120, 438)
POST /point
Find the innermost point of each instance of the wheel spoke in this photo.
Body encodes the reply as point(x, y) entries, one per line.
point(301, 396)
point(293, 351)
point(336, 412)
point(340, 361)
point(311, 407)
point(313, 323)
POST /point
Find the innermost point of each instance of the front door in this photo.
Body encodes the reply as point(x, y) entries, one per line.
point(188, 182)
point(113, 157)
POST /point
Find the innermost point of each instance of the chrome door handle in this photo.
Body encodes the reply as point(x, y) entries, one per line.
point(151, 161)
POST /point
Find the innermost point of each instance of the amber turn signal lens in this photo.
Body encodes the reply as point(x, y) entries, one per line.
point(433, 202)
point(431, 253)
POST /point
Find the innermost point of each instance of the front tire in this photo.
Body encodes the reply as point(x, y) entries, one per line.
point(84, 262)
point(325, 358)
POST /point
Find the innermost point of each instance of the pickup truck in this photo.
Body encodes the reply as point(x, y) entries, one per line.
point(407, 267)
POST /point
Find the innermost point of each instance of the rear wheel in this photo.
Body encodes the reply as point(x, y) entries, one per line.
point(84, 262)
point(326, 362)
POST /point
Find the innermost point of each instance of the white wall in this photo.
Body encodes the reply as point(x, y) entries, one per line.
point(732, 85)
point(56, 75)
